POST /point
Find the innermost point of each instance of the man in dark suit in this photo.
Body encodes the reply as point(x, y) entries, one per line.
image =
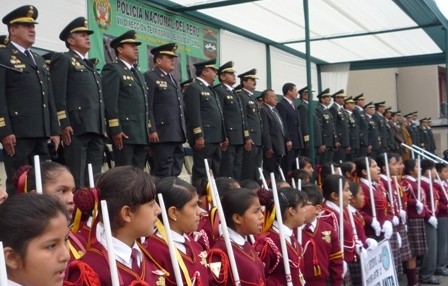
point(363, 123)
point(340, 126)
point(79, 102)
point(302, 110)
point(166, 105)
point(236, 130)
point(205, 123)
point(290, 117)
point(274, 133)
point(353, 129)
point(126, 105)
point(325, 151)
point(28, 115)
point(252, 153)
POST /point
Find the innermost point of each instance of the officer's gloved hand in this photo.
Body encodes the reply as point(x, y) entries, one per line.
point(376, 226)
point(387, 229)
point(433, 221)
point(395, 220)
point(419, 206)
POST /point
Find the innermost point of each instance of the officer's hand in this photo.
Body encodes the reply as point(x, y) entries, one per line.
point(248, 145)
point(67, 133)
point(199, 144)
point(337, 145)
point(154, 137)
point(348, 150)
point(224, 145)
point(118, 140)
point(9, 143)
point(369, 148)
point(268, 153)
point(3, 194)
point(322, 149)
point(289, 145)
point(56, 140)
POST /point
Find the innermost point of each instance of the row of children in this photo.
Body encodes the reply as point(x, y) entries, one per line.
point(314, 251)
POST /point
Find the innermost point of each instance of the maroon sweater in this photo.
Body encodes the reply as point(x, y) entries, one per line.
point(443, 202)
point(410, 188)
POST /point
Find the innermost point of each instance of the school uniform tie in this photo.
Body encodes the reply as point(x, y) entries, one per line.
point(134, 261)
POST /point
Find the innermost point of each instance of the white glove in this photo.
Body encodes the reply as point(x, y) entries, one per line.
point(387, 229)
point(345, 268)
point(433, 221)
point(399, 240)
point(419, 207)
point(360, 250)
point(395, 220)
point(371, 243)
point(376, 226)
point(403, 216)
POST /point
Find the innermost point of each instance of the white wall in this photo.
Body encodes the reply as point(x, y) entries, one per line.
point(53, 16)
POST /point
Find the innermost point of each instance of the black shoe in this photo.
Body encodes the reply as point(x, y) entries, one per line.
point(431, 281)
point(441, 272)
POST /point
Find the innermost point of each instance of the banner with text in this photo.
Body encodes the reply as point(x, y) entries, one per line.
point(111, 18)
point(378, 267)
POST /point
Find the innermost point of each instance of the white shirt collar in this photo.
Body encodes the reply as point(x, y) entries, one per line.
point(352, 209)
point(19, 47)
point(79, 54)
point(410, 178)
point(348, 111)
point(313, 224)
point(385, 177)
point(129, 66)
point(228, 86)
point(366, 182)
point(12, 283)
point(203, 81)
point(122, 251)
point(236, 237)
point(425, 179)
point(286, 230)
point(332, 206)
point(248, 91)
point(287, 99)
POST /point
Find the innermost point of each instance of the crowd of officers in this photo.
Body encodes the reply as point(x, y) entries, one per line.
point(236, 131)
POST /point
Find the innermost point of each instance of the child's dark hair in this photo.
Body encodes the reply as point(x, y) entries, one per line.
point(176, 192)
point(303, 161)
point(288, 198)
point(49, 171)
point(201, 186)
point(225, 184)
point(381, 162)
point(361, 165)
point(300, 174)
point(331, 185)
point(26, 216)
point(426, 165)
point(354, 188)
point(249, 184)
point(237, 202)
point(327, 169)
point(347, 167)
point(313, 194)
point(440, 167)
point(409, 166)
point(125, 186)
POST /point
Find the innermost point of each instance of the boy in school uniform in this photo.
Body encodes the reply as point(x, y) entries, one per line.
point(322, 255)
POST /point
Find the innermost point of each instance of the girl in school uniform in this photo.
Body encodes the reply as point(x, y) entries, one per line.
point(33, 229)
point(130, 196)
point(441, 187)
point(181, 203)
point(242, 211)
point(268, 244)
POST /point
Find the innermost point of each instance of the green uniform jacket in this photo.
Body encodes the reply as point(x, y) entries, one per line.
point(203, 114)
point(78, 94)
point(126, 103)
point(27, 107)
point(253, 117)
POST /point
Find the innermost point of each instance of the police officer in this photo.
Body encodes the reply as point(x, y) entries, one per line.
point(27, 112)
point(236, 130)
point(253, 151)
point(340, 126)
point(167, 131)
point(126, 105)
point(355, 141)
point(374, 136)
point(204, 119)
point(363, 123)
point(413, 128)
point(325, 151)
point(79, 102)
point(380, 122)
point(3, 41)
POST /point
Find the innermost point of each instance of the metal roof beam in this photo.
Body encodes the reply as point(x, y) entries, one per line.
point(420, 60)
point(209, 5)
point(363, 34)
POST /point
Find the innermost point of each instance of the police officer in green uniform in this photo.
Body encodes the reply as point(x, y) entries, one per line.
point(205, 122)
point(355, 141)
point(363, 123)
point(374, 136)
point(234, 121)
point(325, 151)
point(126, 105)
point(253, 148)
point(27, 112)
point(340, 126)
point(166, 105)
point(79, 102)
point(380, 122)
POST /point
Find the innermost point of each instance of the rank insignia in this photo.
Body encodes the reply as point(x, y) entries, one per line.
point(203, 257)
point(326, 236)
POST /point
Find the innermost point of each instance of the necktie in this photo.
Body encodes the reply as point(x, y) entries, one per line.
point(278, 118)
point(134, 261)
point(172, 79)
point(30, 56)
point(88, 63)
